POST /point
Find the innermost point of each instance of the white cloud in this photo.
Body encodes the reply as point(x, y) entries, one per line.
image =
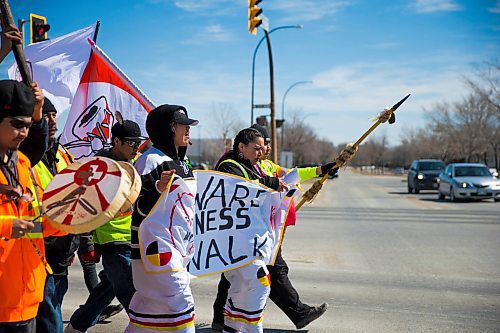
point(496, 9)
point(209, 7)
point(432, 6)
point(347, 96)
point(307, 10)
point(209, 34)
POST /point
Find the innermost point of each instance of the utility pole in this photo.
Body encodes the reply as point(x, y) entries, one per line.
point(274, 141)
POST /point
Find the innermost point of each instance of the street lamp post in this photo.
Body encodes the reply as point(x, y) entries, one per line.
point(283, 109)
point(298, 26)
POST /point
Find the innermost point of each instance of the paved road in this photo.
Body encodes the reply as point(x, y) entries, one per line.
point(385, 261)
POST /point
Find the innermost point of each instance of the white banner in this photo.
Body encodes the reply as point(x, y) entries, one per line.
point(57, 66)
point(218, 223)
point(236, 222)
point(105, 94)
point(165, 235)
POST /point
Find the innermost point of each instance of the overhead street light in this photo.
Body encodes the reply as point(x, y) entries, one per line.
point(298, 26)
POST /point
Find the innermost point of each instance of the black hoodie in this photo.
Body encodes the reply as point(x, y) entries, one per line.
point(162, 156)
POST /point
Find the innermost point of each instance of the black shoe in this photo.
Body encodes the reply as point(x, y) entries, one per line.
point(217, 325)
point(110, 311)
point(314, 313)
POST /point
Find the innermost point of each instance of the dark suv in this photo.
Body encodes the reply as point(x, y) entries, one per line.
point(423, 175)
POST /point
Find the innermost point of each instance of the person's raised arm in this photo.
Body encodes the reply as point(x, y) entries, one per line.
point(9, 33)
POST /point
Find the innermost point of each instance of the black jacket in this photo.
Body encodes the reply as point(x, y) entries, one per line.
point(162, 156)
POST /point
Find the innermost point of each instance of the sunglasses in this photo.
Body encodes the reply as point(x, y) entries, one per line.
point(133, 144)
point(19, 124)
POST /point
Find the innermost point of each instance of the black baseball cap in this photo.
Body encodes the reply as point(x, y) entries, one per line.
point(16, 99)
point(48, 106)
point(127, 130)
point(262, 131)
point(181, 117)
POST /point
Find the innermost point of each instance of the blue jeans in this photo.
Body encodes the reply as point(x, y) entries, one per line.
point(116, 281)
point(89, 274)
point(49, 316)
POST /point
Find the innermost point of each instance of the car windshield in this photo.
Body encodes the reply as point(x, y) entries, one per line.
point(472, 171)
point(424, 166)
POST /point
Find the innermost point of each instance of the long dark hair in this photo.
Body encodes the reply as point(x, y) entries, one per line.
point(245, 136)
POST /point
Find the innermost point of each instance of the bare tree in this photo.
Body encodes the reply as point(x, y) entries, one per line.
point(486, 84)
point(225, 122)
point(307, 148)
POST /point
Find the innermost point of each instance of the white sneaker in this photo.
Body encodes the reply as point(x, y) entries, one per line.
point(70, 329)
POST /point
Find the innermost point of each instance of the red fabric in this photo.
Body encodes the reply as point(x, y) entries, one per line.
point(292, 216)
point(92, 256)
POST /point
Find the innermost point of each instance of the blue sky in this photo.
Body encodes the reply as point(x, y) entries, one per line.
point(361, 55)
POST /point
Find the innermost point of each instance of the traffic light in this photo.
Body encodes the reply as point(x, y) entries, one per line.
point(253, 16)
point(38, 28)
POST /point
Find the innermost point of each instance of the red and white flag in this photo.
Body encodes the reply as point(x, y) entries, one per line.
point(57, 66)
point(105, 94)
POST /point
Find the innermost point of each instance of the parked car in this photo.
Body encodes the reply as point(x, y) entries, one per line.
point(423, 174)
point(468, 181)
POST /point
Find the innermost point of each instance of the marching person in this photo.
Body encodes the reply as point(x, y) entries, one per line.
point(59, 250)
point(247, 286)
point(163, 300)
point(112, 241)
point(282, 293)
point(23, 268)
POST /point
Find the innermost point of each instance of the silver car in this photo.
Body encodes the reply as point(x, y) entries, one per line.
point(468, 181)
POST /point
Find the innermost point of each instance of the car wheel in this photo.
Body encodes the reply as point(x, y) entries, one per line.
point(452, 194)
point(496, 199)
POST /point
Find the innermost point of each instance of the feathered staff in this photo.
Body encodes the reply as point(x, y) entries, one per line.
point(348, 152)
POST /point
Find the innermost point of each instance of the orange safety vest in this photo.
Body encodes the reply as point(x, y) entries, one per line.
point(22, 273)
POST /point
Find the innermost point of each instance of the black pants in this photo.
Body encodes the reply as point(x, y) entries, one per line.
point(283, 294)
point(24, 327)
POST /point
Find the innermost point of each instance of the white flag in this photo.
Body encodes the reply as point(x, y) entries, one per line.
point(57, 66)
point(104, 95)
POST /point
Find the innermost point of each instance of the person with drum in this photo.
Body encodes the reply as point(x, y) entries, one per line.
point(112, 240)
point(60, 251)
point(23, 267)
point(168, 129)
